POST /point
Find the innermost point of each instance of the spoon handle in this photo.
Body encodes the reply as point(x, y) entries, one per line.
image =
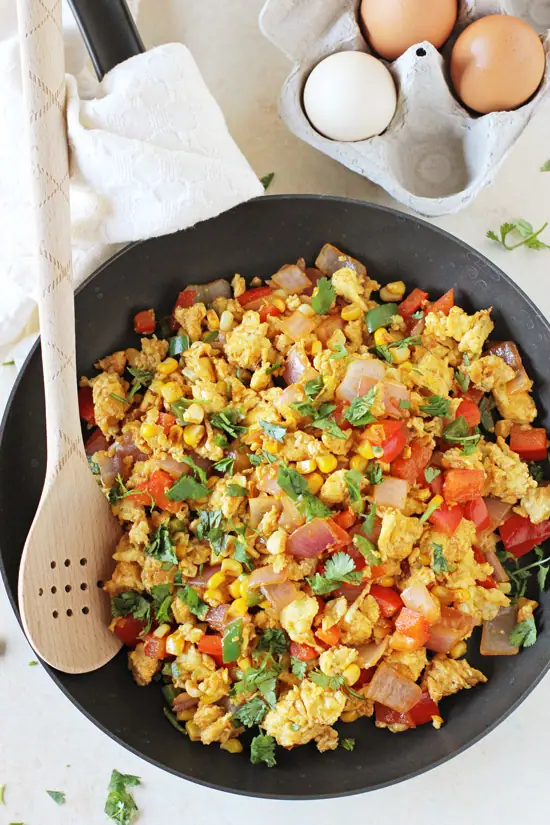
point(43, 75)
point(109, 32)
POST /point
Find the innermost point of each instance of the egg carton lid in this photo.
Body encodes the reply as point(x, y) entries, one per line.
point(435, 156)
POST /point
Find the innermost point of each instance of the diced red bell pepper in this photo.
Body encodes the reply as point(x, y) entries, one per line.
point(472, 394)
point(463, 485)
point(330, 637)
point(489, 583)
point(155, 648)
point(446, 519)
point(530, 443)
point(338, 415)
point(255, 298)
point(519, 535)
point(412, 303)
point(390, 435)
point(345, 519)
point(128, 630)
point(305, 653)
point(424, 709)
point(186, 298)
point(145, 322)
point(476, 511)
point(443, 304)
point(410, 468)
point(414, 626)
point(86, 405)
point(387, 716)
point(156, 487)
point(265, 312)
point(470, 411)
point(166, 421)
point(388, 600)
point(211, 644)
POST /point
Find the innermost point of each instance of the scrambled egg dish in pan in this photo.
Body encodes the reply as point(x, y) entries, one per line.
point(324, 485)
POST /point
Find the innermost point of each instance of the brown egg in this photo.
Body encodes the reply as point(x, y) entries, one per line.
point(497, 63)
point(392, 26)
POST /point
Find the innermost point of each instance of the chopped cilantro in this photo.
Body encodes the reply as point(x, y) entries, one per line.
point(339, 569)
point(375, 474)
point(227, 420)
point(161, 547)
point(120, 805)
point(143, 378)
point(347, 744)
point(339, 352)
point(462, 380)
point(273, 368)
point(430, 473)
point(333, 683)
point(240, 554)
point(220, 441)
point(57, 796)
point(210, 527)
point(437, 406)
point(236, 490)
point(404, 404)
point(313, 388)
point(262, 749)
point(275, 641)
point(312, 507)
point(485, 408)
point(94, 466)
point(367, 549)
point(323, 420)
point(225, 465)
point(524, 633)
point(267, 180)
point(353, 482)
point(162, 602)
point(323, 297)
point(32, 663)
point(262, 679)
point(131, 603)
point(458, 432)
point(439, 563)
point(251, 713)
point(291, 482)
point(186, 488)
point(383, 352)
point(358, 413)
point(198, 472)
point(536, 472)
point(369, 519)
point(178, 409)
point(273, 431)
point(297, 667)
point(118, 491)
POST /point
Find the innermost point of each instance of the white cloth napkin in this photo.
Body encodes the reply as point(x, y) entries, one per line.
point(151, 154)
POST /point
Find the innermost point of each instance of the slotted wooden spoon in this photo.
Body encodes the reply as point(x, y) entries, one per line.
point(68, 550)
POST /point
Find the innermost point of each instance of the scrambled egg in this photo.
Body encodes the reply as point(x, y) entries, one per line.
point(297, 618)
point(507, 476)
point(305, 713)
point(489, 371)
point(398, 535)
point(518, 407)
point(470, 331)
point(536, 504)
point(444, 676)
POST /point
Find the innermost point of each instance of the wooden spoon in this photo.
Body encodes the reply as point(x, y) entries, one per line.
point(68, 550)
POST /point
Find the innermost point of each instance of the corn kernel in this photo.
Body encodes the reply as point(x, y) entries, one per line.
point(306, 310)
point(186, 715)
point(358, 463)
point(327, 463)
point(175, 644)
point(244, 663)
point(314, 483)
point(442, 594)
point(504, 587)
point(424, 559)
point(212, 319)
point(393, 291)
point(387, 581)
point(351, 313)
point(168, 366)
point(265, 604)
point(232, 746)
point(214, 596)
point(148, 430)
point(461, 595)
point(458, 650)
point(279, 303)
point(436, 502)
point(161, 631)
point(401, 354)
point(171, 392)
point(365, 450)
point(156, 386)
point(226, 321)
point(381, 337)
point(235, 589)
point(271, 445)
point(216, 580)
point(243, 581)
point(349, 716)
point(193, 731)
point(239, 607)
point(316, 348)
point(232, 567)
point(307, 466)
point(351, 674)
point(437, 721)
point(194, 414)
point(193, 434)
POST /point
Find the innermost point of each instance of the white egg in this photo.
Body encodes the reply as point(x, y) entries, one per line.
point(350, 96)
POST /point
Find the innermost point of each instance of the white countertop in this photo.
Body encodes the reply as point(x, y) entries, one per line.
point(46, 743)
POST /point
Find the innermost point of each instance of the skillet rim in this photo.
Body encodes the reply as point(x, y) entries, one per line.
point(52, 673)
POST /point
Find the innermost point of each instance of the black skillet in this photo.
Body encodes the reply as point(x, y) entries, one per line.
point(255, 239)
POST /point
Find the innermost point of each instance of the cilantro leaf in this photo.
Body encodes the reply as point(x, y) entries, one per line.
point(189, 596)
point(439, 563)
point(524, 633)
point(291, 482)
point(347, 744)
point(323, 420)
point(312, 507)
point(431, 508)
point(131, 603)
point(358, 413)
point(353, 482)
point(487, 422)
point(275, 641)
point(162, 601)
point(383, 352)
point(263, 680)
point(225, 465)
point(536, 472)
point(367, 549)
point(339, 569)
point(274, 431)
point(375, 474)
point(120, 805)
point(198, 472)
point(324, 296)
point(321, 679)
point(119, 491)
point(267, 180)
point(339, 352)
point(143, 378)
point(528, 237)
point(210, 527)
point(227, 420)
point(57, 796)
point(236, 490)
point(251, 713)
point(430, 473)
point(262, 749)
point(404, 404)
point(462, 380)
point(161, 547)
point(241, 546)
point(368, 525)
point(458, 432)
point(186, 488)
point(273, 368)
point(313, 388)
point(297, 667)
point(542, 574)
point(437, 406)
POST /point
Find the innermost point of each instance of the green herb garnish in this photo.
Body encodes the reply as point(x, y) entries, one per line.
point(313, 388)
point(236, 490)
point(210, 527)
point(274, 641)
point(524, 633)
point(347, 744)
point(375, 474)
point(186, 488)
point(358, 413)
point(225, 465)
point(273, 431)
point(251, 713)
point(339, 569)
point(367, 548)
point(267, 180)
point(431, 473)
point(323, 297)
point(120, 805)
point(161, 546)
point(339, 352)
point(437, 406)
point(458, 432)
point(262, 679)
point(262, 749)
point(162, 602)
point(143, 378)
point(439, 563)
point(118, 398)
point(353, 483)
point(57, 796)
point(297, 667)
point(528, 236)
point(462, 380)
point(227, 420)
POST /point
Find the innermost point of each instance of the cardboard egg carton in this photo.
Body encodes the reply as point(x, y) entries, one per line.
point(435, 156)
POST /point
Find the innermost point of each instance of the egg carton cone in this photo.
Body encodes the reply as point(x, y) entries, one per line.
point(435, 156)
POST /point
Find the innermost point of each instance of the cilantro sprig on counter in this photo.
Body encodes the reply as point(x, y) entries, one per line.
point(120, 805)
point(522, 228)
point(58, 797)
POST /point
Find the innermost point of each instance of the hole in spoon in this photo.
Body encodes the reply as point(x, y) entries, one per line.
point(53, 590)
point(83, 586)
point(83, 562)
point(421, 52)
point(55, 614)
point(40, 592)
point(52, 565)
point(100, 584)
point(68, 588)
point(69, 612)
point(85, 610)
point(67, 562)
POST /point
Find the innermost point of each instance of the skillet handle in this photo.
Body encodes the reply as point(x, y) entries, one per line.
point(109, 32)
